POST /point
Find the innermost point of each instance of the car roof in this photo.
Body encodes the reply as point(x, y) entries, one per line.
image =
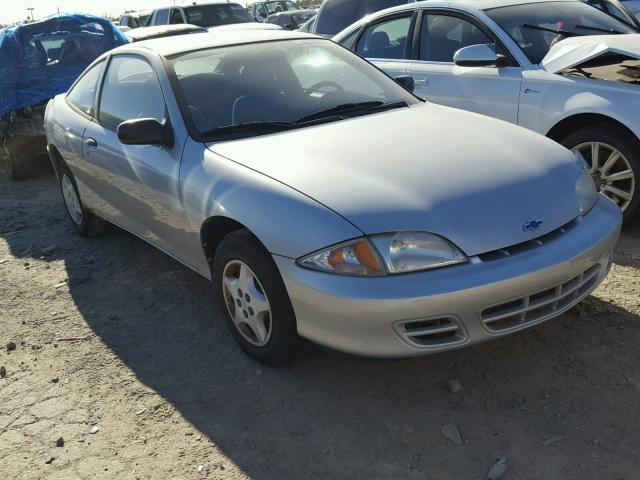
point(186, 43)
point(214, 2)
point(478, 4)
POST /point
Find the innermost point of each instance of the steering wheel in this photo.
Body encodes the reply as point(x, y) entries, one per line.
point(317, 86)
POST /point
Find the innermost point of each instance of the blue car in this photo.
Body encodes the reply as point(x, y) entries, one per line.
point(38, 61)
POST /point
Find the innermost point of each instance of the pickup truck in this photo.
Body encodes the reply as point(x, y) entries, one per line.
point(205, 15)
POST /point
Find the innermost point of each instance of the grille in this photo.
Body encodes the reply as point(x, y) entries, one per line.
point(432, 332)
point(529, 244)
point(540, 305)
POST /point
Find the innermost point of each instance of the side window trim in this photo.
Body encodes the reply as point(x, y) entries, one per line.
point(488, 32)
point(408, 47)
point(103, 78)
point(102, 63)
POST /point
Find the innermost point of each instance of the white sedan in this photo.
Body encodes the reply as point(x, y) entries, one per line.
point(561, 68)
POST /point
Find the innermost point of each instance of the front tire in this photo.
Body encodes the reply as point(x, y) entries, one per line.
point(614, 160)
point(86, 223)
point(252, 297)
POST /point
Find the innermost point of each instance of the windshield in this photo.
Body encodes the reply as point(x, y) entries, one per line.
point(280, 6)
point(279, 83)
point(300, 18)
point(336, 15)
point(633, 6)
point(536, 27)
point(216, 14)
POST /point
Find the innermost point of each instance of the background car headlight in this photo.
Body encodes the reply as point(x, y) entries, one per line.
point(411, 251)
point(398, 252)
point(586, 191)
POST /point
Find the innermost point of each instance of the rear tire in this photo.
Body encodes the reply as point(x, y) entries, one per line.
point(86, 223)
point(19, 156)
point(268, 334)
point(607, 140)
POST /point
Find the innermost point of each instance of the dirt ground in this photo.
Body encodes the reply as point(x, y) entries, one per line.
point(156, 389)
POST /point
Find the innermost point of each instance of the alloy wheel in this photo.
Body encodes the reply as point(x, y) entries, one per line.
point(247, 303)
point(611, 171)
point(71, 200)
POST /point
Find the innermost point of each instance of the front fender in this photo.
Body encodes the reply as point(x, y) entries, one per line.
point(287, 222)
point(548, 99)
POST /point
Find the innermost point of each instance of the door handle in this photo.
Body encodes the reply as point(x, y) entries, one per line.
point(421, 81)
point(90, 142)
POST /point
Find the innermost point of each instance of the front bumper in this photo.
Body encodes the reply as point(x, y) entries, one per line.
point(450, 307)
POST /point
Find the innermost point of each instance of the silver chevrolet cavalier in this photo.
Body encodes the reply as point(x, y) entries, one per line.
point(323, 199)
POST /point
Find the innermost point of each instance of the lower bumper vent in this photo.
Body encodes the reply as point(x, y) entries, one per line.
point(433, 332)
point(540, 305)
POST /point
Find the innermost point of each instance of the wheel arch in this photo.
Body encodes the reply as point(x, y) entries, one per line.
point(56, 159)
point(214, 229)
point(571, 123)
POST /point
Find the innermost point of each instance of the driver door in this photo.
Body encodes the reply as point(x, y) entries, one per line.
point(134, 186)
point(492, 91)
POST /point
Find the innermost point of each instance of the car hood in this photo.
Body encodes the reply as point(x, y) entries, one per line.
point(573, 51)
point(469, 178)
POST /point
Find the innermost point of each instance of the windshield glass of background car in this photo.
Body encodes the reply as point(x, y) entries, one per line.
point(280, 6)
point(276, 81)
point(336, 15)
point(217, 14)
point(556, 16)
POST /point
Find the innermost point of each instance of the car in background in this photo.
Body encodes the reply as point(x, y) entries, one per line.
point(38, 61)
point(292, 20)
point(559, 67)
point(307, 27)
point(324, 199)
point(132, 20)
point(161, 31)
point(619, 9)
point(210, 14)
point(335, 15)
point(260, 11)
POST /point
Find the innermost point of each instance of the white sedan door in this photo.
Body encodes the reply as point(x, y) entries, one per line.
point(492, 91)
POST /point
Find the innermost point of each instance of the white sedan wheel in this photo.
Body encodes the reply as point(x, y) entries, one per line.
point(611, 171)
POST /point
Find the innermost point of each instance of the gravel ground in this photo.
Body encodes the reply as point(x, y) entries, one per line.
point(120, 352)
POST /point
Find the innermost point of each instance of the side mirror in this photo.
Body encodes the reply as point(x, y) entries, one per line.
point(289, 26)
point(263, 14)
point(406, 81)
point(145, 131)
point(480, 55)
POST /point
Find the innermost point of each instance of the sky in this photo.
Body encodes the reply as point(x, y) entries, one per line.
point(16, 10)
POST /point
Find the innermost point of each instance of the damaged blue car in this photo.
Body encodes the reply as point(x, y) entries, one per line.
point(38, 61)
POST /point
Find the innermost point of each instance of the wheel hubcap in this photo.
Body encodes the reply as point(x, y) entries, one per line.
point(611, 171)
point(247, 303)
point(71, 199)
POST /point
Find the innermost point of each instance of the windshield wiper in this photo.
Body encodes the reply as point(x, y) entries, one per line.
point(351, 107)
point(258, 126)
point(598, 29)
point(545, 29)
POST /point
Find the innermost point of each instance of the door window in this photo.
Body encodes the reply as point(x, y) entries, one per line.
point(83, 94)
point(386, 39)
point(442, 36)
point(176, 16)
point(131, 90)
point(162, 17)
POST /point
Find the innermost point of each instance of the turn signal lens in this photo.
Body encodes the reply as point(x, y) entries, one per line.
point(356, 257)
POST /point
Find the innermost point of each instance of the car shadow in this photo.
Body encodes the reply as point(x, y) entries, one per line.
point(329, 415)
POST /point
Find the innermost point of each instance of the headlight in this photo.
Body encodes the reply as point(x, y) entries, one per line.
point(411, 251)
point(586, 191)
point(355, 257)
point(399, 252)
